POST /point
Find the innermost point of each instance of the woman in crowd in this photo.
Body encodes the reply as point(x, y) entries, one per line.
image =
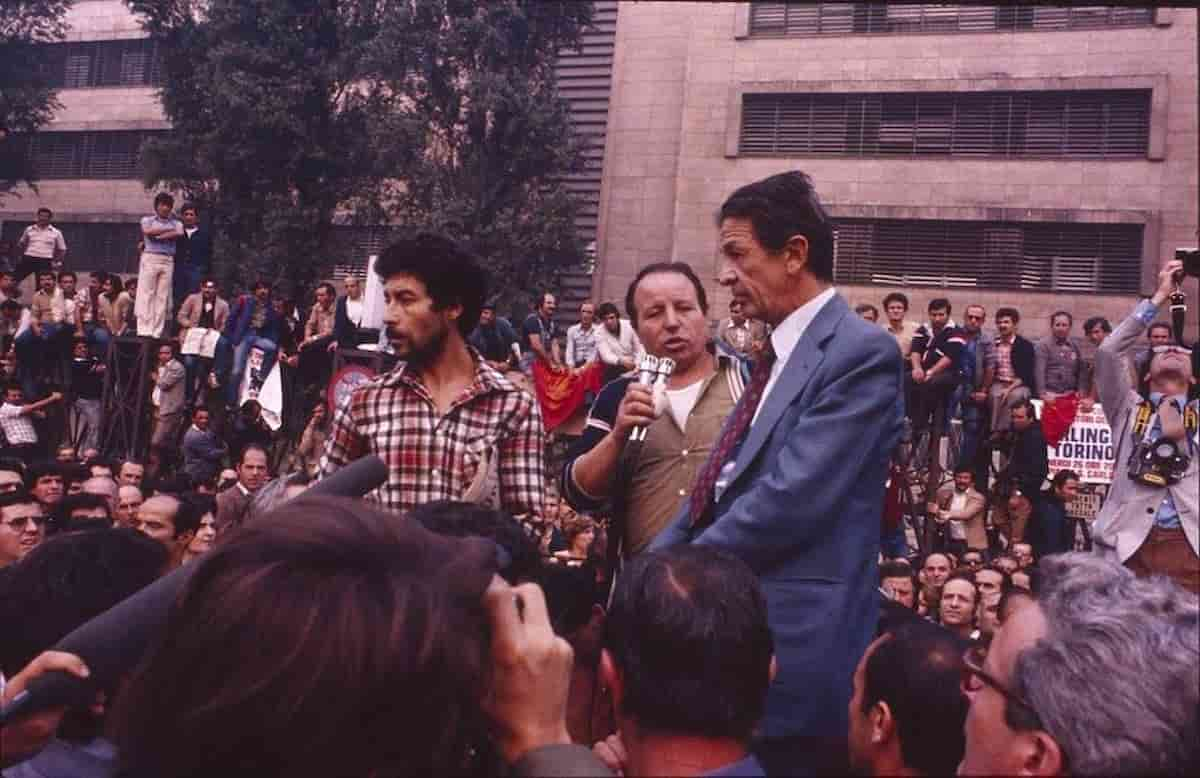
point(203, 540)
point(579, 531)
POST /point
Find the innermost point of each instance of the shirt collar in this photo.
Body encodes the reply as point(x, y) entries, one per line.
point(245, 492)
point(487, 378)
point(1157, 397)
point(790, 330)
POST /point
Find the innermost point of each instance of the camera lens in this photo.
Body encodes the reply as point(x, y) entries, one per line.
point(1164, 450)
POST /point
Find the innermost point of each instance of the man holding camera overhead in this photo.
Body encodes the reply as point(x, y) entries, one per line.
point(1149, 521)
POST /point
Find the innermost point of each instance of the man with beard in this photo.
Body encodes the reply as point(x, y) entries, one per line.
point(1008, 377)
point(540, 332)
point(668, 308)
point(448, 425)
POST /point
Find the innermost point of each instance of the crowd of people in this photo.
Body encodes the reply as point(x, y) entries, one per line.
point(706, 584)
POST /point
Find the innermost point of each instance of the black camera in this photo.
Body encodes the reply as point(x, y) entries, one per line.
point(1191, 262)
point(1157, 464)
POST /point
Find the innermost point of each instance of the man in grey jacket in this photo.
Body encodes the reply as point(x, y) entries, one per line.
point(1152, 529)
point(202, 449)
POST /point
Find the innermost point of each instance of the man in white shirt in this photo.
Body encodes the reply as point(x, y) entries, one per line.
point(617, 343)
point(581, 338)
point(794, 484)
point(41, 246)
point(349, 317)
point(741, 334)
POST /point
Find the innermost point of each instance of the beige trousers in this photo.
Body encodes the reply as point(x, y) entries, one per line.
point(153, 302)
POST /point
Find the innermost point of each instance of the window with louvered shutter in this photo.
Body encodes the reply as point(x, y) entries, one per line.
point(77, 70)
point(99, 155)
point(1033, 256)
point(350, 246)
point(1104, 124)
point(821, 18)
point(82, 65)
point(108, 246)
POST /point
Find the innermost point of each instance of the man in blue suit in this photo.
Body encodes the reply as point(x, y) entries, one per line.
point(795, 483)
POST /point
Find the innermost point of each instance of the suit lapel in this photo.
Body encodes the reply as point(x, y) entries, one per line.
point(803, 362)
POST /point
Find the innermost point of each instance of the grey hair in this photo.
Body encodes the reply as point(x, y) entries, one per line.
point(1116, 679)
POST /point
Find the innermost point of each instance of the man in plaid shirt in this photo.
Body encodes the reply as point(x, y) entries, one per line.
point(449, 426)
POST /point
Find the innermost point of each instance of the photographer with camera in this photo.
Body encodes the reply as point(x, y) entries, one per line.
point(1149, 521)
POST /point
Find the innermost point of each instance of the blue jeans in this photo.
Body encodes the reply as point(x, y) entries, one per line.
point(98, 338)
point(241, 355)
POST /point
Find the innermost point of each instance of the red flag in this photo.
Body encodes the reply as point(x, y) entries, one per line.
point(1057, 417)
point(561, 394)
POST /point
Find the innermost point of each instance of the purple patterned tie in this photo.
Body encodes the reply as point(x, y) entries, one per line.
point(700, 511)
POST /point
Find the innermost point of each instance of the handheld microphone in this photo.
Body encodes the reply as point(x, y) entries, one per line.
point(647, 370)
point(113, 642)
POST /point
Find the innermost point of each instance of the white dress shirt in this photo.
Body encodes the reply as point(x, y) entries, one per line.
point(785, 337)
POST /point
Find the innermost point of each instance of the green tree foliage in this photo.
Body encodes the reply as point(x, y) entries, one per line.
point(27, 100)
point(496, 140)
point(431, 114)
point(271, 126)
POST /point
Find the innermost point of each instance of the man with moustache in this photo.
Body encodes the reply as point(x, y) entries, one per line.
point(668, 307)
point(448, 424)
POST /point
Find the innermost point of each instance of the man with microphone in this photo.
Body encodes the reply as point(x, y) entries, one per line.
point(795, 483)
point(645, 482)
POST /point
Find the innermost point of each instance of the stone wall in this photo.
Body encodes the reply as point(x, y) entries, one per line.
point(679, 70)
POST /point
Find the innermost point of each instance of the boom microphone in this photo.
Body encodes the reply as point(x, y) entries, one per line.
point(113, 642)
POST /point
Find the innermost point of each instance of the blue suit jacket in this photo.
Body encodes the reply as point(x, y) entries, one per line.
point(802, 507)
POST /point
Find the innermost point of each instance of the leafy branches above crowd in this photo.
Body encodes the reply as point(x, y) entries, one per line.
point(439, 114)
point(27, 97)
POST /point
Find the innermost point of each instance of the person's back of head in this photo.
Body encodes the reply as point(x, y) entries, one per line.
point(1115, 681)
point(687, 635)
point(66, 581)
point(908, 710)
point(457, 519)
point(83, 511)
point(326, 638)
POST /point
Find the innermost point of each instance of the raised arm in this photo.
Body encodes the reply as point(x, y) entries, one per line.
point(1113, 382)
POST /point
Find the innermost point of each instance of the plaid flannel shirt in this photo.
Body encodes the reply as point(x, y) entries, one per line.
point(434, 456)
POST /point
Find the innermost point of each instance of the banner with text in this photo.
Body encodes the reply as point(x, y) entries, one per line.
point(1087, 448)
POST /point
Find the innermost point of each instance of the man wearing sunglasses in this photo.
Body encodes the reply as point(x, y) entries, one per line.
point(22, 526)
point(1096, 676)
point(1149, 520)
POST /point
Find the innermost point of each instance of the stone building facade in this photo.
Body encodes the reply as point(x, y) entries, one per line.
point(107, 74)
point(1038, 157)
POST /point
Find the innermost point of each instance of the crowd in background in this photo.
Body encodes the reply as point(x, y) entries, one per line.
point(318, 629)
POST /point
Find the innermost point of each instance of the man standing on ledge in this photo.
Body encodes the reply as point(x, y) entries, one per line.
point(156, 267)
point(448, 424)
point(795, 482)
